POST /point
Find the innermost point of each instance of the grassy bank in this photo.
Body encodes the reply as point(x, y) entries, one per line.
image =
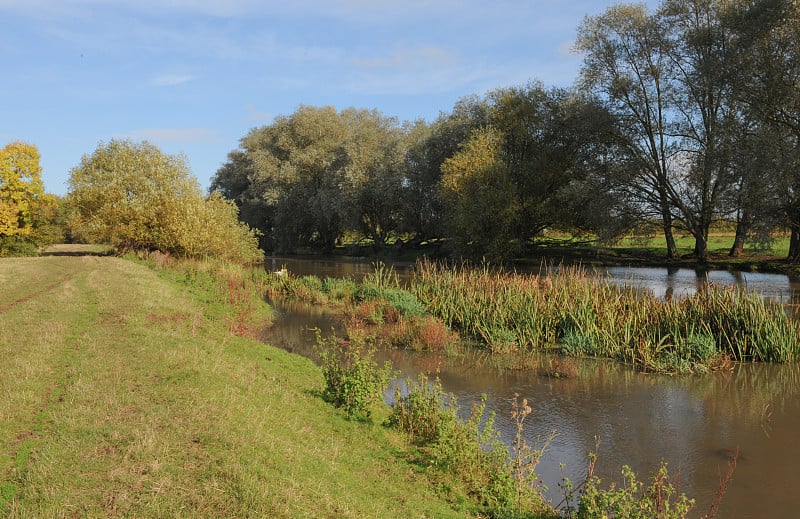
point(132, 392)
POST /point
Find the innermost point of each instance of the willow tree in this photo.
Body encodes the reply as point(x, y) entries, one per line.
point(311, 176)
point(481, 199)
point(134, 196)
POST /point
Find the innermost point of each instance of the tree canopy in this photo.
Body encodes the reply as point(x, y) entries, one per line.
point(134, 196)
point(20, 188)
point(683, 116)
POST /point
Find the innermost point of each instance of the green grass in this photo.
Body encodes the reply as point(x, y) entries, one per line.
point(127, 394)
point(718, 244)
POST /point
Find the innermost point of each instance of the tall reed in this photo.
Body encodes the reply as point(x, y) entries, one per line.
point(578, 314)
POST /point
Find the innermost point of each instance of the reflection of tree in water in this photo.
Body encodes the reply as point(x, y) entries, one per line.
point(752, 392)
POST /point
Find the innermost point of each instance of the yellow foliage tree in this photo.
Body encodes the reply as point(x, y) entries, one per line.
point(480, 198)
point(20, 188)
point(134, 196)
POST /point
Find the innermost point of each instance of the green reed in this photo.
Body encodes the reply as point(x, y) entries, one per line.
point(579, 314)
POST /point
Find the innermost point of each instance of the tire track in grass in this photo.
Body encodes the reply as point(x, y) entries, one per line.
point(19, 449)
point(8, 306)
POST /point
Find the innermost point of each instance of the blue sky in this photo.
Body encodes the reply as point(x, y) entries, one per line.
point(193, 76)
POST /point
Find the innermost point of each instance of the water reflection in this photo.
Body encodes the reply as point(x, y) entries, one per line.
point(691, 422)
point(666, 283)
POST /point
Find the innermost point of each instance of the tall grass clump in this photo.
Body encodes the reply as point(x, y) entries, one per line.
point(578, 314)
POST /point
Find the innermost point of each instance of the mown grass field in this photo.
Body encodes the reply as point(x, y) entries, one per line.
point(123, 393)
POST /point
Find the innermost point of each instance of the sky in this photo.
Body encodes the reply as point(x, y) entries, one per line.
point(194, 76)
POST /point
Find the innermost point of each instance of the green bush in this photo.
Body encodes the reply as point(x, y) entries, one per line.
point(338, 289)
point(425, 412)
point(353, 379)
point(17, 246)
point(632, 499)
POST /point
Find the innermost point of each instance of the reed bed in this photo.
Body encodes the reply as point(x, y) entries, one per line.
point(577, 314)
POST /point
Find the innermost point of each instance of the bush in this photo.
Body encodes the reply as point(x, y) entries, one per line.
point(422, 411)
point(133, 196)
point(353, 379)
point(633, 500)
point(469, 450)
point(17, 246)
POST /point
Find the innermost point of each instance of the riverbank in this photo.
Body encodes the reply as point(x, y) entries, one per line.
point(132, 392)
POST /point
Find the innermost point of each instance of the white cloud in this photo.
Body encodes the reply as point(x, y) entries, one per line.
point(171, 79)
point(174, 135)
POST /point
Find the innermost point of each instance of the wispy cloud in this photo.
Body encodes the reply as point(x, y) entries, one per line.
point(171, 79)
point(175, 135)
point(254, 115)
point(405, 58)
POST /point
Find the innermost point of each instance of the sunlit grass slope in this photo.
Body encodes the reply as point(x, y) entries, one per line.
point(122, 395)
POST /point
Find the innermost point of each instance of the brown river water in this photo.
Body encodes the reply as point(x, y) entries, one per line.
point(693, 423)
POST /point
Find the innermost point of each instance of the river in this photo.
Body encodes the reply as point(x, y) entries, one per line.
point(693, 422)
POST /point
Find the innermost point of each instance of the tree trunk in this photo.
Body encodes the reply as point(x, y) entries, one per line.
point(701, 246)
point(742, 229)
point(672, 249)
point(794, 244)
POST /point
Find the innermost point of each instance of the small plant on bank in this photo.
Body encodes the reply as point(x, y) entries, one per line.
point(633, 499)
point(469, 450)
point(425, 412)
point(353, 379)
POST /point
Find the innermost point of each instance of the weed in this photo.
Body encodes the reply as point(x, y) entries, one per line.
point(469, 449)
point(632, 499)
point(353, 379)
point(525, 459)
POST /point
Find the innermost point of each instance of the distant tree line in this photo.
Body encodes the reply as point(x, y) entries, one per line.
point(685, 115)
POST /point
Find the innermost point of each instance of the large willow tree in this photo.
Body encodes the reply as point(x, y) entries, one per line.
point(134, 196)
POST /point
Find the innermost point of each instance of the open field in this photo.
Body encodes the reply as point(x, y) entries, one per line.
point(122, 394)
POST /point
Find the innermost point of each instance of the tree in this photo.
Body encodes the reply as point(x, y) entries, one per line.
point(555, 144)
point(549, 156)
point(480, 195)
point(133, 196)
point(626, 63)
point(706, 113)
point(767, 73)
point(374, 173)
point(20, 188)
point(429, 146)
point(292, 171)
point(309, 177)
